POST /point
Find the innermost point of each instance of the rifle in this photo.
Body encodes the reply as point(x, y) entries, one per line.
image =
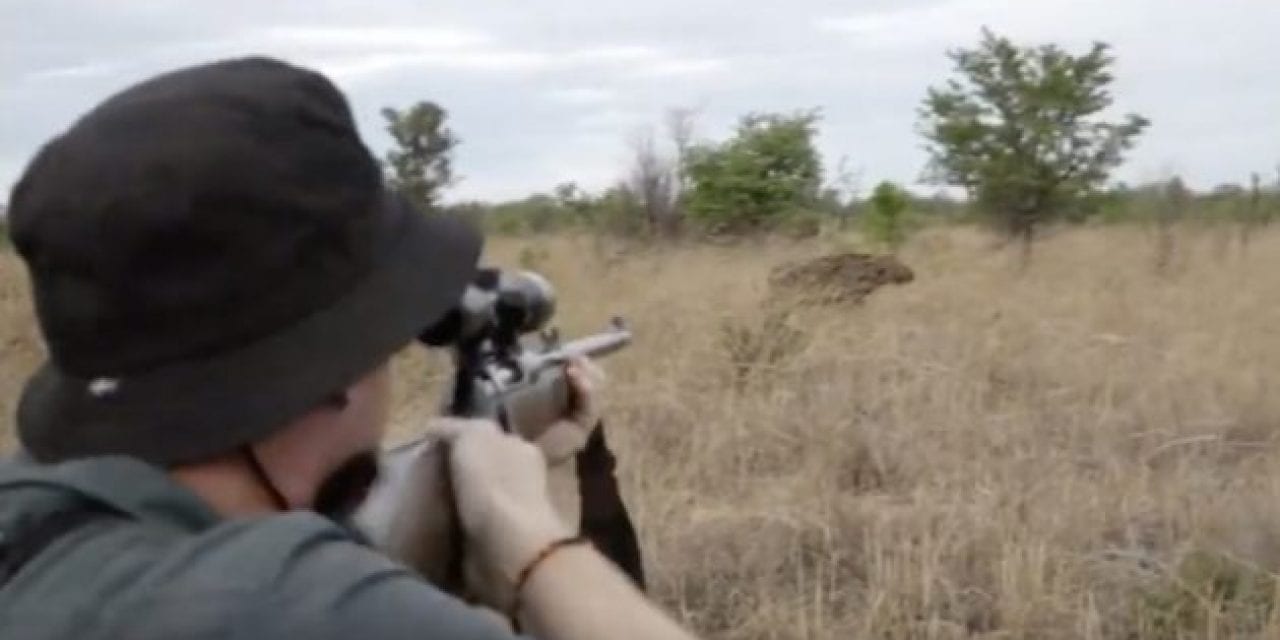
point(505, 373)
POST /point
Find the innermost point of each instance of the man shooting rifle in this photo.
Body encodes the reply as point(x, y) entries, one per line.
point(222, 279)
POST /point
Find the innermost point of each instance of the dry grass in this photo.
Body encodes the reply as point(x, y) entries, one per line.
point(1084, 450)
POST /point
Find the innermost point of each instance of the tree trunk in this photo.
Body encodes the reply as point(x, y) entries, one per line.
point(1026, 237)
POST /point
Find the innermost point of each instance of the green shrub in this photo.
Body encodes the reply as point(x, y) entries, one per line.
point(885, 221)
point(753, 180)
point(1208, 594)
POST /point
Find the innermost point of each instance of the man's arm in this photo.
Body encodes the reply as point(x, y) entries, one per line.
point(576, 594)
point(500, 488)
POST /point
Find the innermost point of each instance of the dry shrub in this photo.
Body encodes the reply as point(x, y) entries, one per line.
point(758, 344)
point(1084, 450)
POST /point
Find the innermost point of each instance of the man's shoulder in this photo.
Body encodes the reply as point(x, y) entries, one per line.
point(288, 575)
point(266, 550)
point(275, 555)
point(117, 559)
point(310, 574)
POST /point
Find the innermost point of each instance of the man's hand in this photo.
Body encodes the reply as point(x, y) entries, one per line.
point(501, 490)
point(564, 439)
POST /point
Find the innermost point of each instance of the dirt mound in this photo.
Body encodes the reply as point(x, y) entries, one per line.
point(838, 278)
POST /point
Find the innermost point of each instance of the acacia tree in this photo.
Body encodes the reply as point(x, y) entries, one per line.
point(420, 163)
point(1020, 128)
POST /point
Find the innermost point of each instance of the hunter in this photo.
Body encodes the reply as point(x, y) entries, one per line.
point(222, 279)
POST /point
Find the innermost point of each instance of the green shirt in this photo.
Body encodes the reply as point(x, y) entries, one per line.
point(161, 564)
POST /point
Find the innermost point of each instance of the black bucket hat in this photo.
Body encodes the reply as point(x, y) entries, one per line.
point(212, 253)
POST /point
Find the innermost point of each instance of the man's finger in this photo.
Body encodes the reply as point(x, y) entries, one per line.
point(586, 380)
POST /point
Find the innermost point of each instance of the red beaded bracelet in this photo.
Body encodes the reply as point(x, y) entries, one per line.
point(528, 569)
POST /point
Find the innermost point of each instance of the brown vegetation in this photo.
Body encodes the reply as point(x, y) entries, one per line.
point(1084, 449)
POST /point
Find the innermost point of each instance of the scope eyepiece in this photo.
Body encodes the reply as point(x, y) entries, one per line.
point(526, 302)
point(502, 303)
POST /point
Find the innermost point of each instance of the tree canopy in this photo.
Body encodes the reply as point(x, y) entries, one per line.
point(1021, 128)
point(420, 163)
point(768, 169)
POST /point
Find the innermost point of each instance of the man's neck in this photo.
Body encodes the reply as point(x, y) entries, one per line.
point(227, 485)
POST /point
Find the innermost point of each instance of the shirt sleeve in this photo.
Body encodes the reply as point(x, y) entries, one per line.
point(332, 587)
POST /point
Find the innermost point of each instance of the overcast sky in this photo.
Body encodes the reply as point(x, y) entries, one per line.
point(546, 91)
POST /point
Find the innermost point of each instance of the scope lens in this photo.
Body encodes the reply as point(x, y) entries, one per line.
point(526, 301)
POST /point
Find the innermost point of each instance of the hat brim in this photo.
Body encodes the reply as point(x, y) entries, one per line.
point(187, 411)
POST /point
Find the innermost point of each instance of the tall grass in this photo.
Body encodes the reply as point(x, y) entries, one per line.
point(1086, 448)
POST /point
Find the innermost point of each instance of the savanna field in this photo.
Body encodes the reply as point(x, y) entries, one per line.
point(1084, 448)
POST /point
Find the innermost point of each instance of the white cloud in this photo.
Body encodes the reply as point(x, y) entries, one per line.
point(71, 72)
point(685, 67)
point(495, 58)
point(376, 37)
point(611, 119)
point(581, 96)
point(355, 68)
point(958, 21)
point(612, 54)
point(1070, 22)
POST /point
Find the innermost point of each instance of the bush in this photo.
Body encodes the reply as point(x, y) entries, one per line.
point(885, 221)
point(1210, 592)
point(750, 182)
point(800, 224)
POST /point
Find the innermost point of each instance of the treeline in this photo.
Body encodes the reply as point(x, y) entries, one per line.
point(619, 210)
point(1018, 137)
point(1253, 204)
